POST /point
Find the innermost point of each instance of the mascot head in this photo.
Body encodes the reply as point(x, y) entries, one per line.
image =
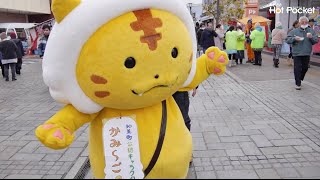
point(124, 54)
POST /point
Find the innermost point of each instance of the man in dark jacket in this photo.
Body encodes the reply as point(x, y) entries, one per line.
point(9, 56)
point(20, 52)
point(199, 33)
point(207, 37)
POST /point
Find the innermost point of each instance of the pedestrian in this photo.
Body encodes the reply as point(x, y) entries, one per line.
point(258, 39)
point(43, 41)
point(183, 102)
point(302, 40)
point(197, 27)
point(248, 31)
point(219, 40)
point(20, 52)
point(2, 68)
point(9, 56)
point(294, 26)
point(207, 37)
point(199, 34)
point(240, 44)
point(278, 36)
point(313, 27)
point(231, 45)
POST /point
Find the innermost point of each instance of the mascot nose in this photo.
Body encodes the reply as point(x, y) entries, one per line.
point(156, 76)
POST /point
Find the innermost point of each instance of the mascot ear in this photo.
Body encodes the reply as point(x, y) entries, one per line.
point(61, 8)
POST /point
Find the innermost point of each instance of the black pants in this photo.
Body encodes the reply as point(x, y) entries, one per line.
point(2, 69)
point(300, 68)
point(13, 70)
point(233, 56)
point(257, 57)
point(182, 99)
point(19, 66)
point(290, 55)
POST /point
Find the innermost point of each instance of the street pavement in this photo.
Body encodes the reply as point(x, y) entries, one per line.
point(249, 123)
point(25, 104)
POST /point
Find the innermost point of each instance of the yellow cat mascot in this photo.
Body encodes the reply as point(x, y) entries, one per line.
point(116, 64)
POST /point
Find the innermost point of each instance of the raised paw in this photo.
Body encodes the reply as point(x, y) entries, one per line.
point(217, 60)
point(54, 136)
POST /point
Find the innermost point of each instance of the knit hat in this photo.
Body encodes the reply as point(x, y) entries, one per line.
point(13, 35)
point(278, 25)
point(63, 49)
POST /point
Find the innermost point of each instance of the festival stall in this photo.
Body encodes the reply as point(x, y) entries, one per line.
point(35, 35)
point(263, 22)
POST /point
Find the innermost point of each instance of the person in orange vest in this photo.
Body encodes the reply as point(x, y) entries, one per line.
point(249, 29)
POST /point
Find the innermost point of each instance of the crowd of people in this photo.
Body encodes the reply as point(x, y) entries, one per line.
point(11, 55)
point(301, 37)
point(233, 41)
point(12, 52)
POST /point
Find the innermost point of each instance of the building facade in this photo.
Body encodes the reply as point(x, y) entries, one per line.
point(287, 11)
point(25, 11)
point(287, 18)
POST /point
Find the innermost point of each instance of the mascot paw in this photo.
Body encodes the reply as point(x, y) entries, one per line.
point(54, 136)
point(216, 60)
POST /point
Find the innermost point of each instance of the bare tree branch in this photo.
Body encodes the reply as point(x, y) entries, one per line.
point(229, 9)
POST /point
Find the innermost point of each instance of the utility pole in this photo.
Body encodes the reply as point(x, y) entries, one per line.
point(190, 6)
point(218, 12)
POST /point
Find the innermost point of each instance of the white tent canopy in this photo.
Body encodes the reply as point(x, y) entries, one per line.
point(271, 4)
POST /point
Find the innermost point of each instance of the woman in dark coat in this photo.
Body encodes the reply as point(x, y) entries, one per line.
point(20, 52)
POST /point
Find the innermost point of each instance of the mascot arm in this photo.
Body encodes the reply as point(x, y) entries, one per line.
point(58, 131)
point(214, 61)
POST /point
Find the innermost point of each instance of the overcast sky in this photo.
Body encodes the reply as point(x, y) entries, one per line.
point(193, 1)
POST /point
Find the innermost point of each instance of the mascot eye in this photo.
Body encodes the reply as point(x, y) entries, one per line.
point(174, 53)
point(130, 63)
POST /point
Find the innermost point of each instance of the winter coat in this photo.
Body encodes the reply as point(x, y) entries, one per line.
point(278, 36)
point(43, 44)
point(219, 39)
point(240, 40)
point(20, 51)
point(258, 39)
point(8, 49)
point(304, 47)
point(199, 34)
point(207, 38)
point(231, 40)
